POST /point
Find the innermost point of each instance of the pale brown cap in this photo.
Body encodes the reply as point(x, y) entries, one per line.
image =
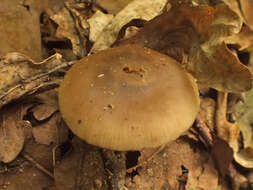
point(128, 98)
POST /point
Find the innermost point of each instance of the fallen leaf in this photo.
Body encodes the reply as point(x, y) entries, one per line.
point(83, 168)
point(196, 38)
point(20, 29)
point(218, 68)
point(243, 114)
point(134, 10)
point(244, 39)
point(246, 6)
point(97, 23)
point(113, 6)
point(182, 164)
point(66, 29)
point(12, 132)
point(24, 176)
point(46, 133)
point(221, 147)
point(21, 76)
point(207, 111)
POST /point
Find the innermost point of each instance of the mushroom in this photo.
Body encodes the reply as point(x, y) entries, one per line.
point(128, 98)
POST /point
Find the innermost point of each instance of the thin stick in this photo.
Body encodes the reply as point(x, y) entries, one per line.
point(37, 165)
point(130, 170)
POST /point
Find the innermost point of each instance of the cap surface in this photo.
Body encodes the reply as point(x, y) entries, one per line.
point(128, 98)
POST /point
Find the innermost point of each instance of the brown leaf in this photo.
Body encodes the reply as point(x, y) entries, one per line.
point(12, 134)
point(68, 30)
point(244, 39)
point(46, 133)
point(134, 10)
point(19, 29)
point(219, 68)
point(83, 168)
point(182, 164)
point(198, 35)
point(247, 6)
point(222, 155)
point(21, 76)
point(113, 6)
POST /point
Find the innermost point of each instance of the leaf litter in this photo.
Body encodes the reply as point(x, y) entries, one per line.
point(206, 38)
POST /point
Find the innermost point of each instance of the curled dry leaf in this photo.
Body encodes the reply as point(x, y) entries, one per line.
point(243, 113)
point(113, 6)
point(67, 29)
point(19, 29)
point(246, 6)
point(181, 165)
point(46, 133)
point(198, 35)
point(244, 39)
point(235, 6)
point(12, 132)
point(84, 169)
point(207, 111)
point(97, 23)
point(23, 78)
point(219, 68)
point(134, 10)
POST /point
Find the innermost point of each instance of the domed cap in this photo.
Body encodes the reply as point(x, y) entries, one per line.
point(128, 98)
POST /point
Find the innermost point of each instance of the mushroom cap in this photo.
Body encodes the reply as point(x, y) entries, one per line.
point(128, 98)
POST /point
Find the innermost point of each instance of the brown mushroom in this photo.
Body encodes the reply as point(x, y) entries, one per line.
point(128, 98)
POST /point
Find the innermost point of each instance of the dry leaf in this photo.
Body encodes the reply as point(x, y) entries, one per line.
point(24, 78)
point(24, 176)
point(243, 114)
point(244, 39)
point(196, 38)
point(67, 29)
point(97, 23)
point(207, 111)
point(134, 10)
point(221, 147)
point(219, 68)
point(181, 163)
point(19, 29)
point(46, 133)
point(113, 6)
point(12, 132)
point(235, 6)
point(247, 6)
point(83, 168)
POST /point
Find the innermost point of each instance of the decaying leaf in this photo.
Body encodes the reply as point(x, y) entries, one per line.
point(218, 67)
point(113, 6)
point(207, 111)
point(181, 165)
point(244, 39)
point(246, 7)
point(227, 131)
point(134, 10)
point(12, 132)
point(83, 169)
point(47, 132)
point(19, 29)
point(67, 29)
point(20, 76)
point(235, 6)
point(243, 112)
point(196, 38)
point(97, 23)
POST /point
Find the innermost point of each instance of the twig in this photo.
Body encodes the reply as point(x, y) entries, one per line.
point(37, 165)
point(130, 170)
